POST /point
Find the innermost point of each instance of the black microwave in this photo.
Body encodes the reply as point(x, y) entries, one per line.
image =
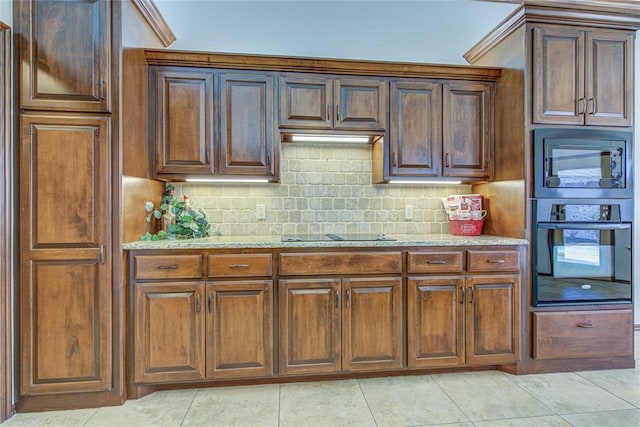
point(582, 163)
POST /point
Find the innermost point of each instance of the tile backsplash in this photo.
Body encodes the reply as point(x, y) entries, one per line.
point(322, 189)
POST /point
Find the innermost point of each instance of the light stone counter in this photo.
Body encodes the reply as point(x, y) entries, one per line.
point(274, 242)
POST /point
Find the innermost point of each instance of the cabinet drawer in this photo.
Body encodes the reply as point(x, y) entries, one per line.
point(234, 265)
point(341, 263)
point(582, 334)
point(168, 266)
point(435, 262)
point(493, 260)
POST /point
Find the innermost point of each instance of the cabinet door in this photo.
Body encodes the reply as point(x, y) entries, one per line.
point(306, 101)
point(435, 322)
point(415, 139)
point(372, 324)
point(558, 76)
point(65, 55)
point(239, 329)
point(183, 121)
point(65, 288)
point(309, 325)
point(609, 78)
point(168, 324)
point(467, 129)
point(247, 125)
point(493, 319)
point(361, 104)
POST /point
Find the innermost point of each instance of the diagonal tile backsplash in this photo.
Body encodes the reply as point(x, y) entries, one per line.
point(323, 189)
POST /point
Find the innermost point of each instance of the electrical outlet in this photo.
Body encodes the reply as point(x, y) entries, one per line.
point(408, 212)
point(261, 212)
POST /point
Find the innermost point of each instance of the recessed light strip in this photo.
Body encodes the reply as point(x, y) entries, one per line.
point(227, 180)
point(394, 181)
point(331, 138)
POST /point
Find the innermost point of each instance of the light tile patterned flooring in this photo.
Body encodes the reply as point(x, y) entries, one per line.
point(595, 398)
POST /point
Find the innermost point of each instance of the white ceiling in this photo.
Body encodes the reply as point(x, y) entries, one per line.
point(435, 31)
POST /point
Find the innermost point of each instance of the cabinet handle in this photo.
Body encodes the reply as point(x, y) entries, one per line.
point(206, 156)
point(239, 265)
point(167, 267)
point(338, 112)
point(268, 159)
point(101, 256)
point(337, 299)
point(348, 298)
point(473, 295)
point(209, 302)
point(328, 112)
point(446, 160)
point(462, 296)
point(395, 159)
point(198, 303)
point(594, 105)
point(437, 261)
point(101, 89)
point(495, 261)
point(585, 325)
point(583, 104)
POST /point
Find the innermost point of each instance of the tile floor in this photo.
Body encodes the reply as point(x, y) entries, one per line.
point(483, 399)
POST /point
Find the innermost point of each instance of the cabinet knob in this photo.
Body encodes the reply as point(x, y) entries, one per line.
point(585, 325)
point(462, 296)
point(446, 160)
point(198, 308)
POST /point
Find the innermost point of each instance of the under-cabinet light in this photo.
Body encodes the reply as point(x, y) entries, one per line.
point(396, 181)
point(331, 138)
point(232, 180)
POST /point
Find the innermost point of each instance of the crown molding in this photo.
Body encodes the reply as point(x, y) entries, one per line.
point(152, 14)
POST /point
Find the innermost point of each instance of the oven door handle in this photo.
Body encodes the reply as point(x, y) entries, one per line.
point(582, 226)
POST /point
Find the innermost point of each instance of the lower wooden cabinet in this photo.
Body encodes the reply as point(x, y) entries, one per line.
point(340, 324)
point(456, 320)
point(186, 331)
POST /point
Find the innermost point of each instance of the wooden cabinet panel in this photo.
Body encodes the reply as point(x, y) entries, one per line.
point(582, 76)
point(467, 129)
point(306, 101)
point(415, 140)
point(247, 124)
point(372, 324)
point(65, 295)
point(310, 339)
point(492, 319)
point(609, 78)
point(435, 262)
point(361, 104)
point(340, 263)
point(493, 260)
point(169, 325)
point(323, 102)
point(435, 321)
point(571, 334)
point(558, 75)
point(183, 120)
point(238, 265)
point(65, 55)
point(66, 333)
point(239, 329)
point(168, 266)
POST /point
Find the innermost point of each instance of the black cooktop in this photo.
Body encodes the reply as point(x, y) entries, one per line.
point(335, 237)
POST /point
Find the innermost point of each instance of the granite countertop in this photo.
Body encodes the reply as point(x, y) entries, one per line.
point(251, 242)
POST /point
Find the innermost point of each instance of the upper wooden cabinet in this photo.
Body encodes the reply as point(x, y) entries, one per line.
point(184, 111)
point(65, 52)
point(213, 123)
point(312, 101)
point(582, 76)
point(441, 129)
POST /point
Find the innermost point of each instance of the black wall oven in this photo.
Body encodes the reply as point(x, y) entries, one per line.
point(583, 163)
point(582, 251)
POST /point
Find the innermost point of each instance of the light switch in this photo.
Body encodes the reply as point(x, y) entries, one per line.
point(408, 212)
point(261, 211)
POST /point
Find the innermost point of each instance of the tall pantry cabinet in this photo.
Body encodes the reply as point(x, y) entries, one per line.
point(67, 139)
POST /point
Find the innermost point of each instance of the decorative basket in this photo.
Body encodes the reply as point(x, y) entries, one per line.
point(466, 227)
